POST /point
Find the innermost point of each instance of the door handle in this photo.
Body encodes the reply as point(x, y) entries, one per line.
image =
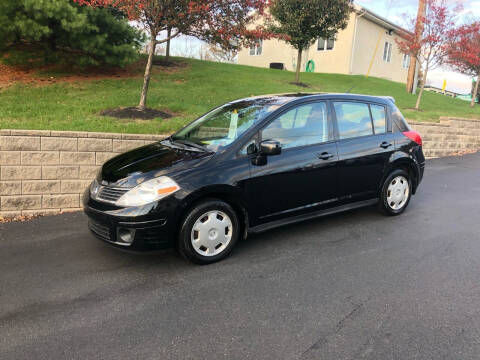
point(325, 156)
point(385, 144)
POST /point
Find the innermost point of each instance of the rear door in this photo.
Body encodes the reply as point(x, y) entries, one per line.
point(365, 145)
point(303, 177)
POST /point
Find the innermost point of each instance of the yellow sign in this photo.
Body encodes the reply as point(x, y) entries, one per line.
point(444, 85)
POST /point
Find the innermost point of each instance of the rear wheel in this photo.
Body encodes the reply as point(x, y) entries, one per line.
point(396, 193)
point(209, 232)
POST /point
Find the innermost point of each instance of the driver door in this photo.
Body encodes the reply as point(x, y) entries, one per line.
point(303, 177)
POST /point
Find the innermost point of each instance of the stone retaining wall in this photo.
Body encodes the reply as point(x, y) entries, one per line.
point(449, 137)
point(45, 172)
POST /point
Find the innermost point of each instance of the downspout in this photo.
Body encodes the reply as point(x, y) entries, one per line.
point(354, 43)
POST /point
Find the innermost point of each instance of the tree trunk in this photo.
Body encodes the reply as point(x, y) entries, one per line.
point(146, 77)
point(167, 53)
point(417, 105)
point(299, 65)
point(475, 92)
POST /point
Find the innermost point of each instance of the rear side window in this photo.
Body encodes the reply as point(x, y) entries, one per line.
point(353, 119)
point(304, 125)
point(379, 119)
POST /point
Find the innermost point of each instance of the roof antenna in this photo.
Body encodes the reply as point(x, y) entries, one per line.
point(348, 91)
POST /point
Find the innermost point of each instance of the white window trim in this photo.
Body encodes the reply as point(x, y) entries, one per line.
point(406, 64)
point(387, 56)
point(325, 45)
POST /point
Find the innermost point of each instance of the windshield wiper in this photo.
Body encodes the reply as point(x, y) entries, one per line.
point(174, 144)
point(190, 144)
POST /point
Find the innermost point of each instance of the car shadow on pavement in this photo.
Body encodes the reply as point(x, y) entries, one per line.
point(71, 242)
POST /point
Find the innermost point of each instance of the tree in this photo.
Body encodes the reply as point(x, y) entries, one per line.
point(67, 32)
point(304, 21)
point(223, 22)
point(430, 48)
point(464, 52)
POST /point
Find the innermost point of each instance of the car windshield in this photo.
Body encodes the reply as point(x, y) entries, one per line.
point(222, 126)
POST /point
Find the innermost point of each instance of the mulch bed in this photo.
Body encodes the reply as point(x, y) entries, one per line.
point(170, 64)
point(300, 84)
point(135, 113)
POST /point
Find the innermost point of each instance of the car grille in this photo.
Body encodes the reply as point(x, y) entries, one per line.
point(102, 231)
point(110, 194)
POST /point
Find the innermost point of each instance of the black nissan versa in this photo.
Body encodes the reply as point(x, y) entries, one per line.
point(254, 164)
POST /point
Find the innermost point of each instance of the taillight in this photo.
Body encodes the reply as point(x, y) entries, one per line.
point(414, 136)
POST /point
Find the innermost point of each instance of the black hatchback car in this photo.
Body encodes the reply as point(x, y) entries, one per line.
point(254, 164)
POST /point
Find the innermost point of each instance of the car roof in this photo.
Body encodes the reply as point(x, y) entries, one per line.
point(282, 99)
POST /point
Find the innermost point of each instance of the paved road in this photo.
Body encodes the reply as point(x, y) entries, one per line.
point(351, 286)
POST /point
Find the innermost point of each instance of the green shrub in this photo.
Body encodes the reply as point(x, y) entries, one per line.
point(67, 33)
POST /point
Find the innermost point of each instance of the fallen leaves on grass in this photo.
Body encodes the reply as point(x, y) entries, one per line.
point(10, 75)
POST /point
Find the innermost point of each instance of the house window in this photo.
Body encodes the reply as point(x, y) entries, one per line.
point(325, 44)
point(257, 48)
point(406, 61)
point(387, 52)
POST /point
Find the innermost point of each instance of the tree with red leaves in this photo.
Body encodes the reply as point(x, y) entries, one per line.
point(464, 52)
point(220, 22)
point(430, 47)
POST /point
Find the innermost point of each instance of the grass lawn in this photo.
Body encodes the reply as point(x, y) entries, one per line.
point(188, 92)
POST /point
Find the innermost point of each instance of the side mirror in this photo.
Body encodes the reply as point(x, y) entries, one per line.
point(270, 147)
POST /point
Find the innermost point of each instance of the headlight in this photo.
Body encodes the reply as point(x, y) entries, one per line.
point(149, 191)
point(94, 187)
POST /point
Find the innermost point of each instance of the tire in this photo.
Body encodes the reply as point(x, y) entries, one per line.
point(396, 193)
point(209, 232)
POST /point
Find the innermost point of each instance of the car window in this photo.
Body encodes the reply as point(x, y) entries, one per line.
point(303, 125)
point(353, 119)
point(225, 124)
point(379, 119)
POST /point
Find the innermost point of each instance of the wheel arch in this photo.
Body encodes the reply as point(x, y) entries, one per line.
point(229, 194)
point(405, 163)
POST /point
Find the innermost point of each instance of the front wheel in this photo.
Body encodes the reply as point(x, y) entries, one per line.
point(396, 193)
point(209, 232)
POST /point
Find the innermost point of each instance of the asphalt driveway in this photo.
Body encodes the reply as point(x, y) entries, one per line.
point(357, 285)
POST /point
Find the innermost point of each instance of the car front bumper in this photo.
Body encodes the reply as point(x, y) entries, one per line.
point(148, 227)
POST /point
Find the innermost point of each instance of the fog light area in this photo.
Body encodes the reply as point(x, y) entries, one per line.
point(125, 235)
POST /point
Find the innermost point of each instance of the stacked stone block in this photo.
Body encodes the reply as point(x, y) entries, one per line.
point(45, 172)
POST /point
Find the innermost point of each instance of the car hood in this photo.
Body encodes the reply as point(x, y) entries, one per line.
point(136, 166)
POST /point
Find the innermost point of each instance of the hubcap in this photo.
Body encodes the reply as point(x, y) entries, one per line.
point(211, 233)
point(397, 192)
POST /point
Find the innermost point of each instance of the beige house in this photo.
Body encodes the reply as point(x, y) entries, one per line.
point(366, 46)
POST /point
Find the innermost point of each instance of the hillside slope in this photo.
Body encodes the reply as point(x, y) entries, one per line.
point(188, 91)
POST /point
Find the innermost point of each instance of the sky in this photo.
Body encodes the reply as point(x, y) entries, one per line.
point(395, 11)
